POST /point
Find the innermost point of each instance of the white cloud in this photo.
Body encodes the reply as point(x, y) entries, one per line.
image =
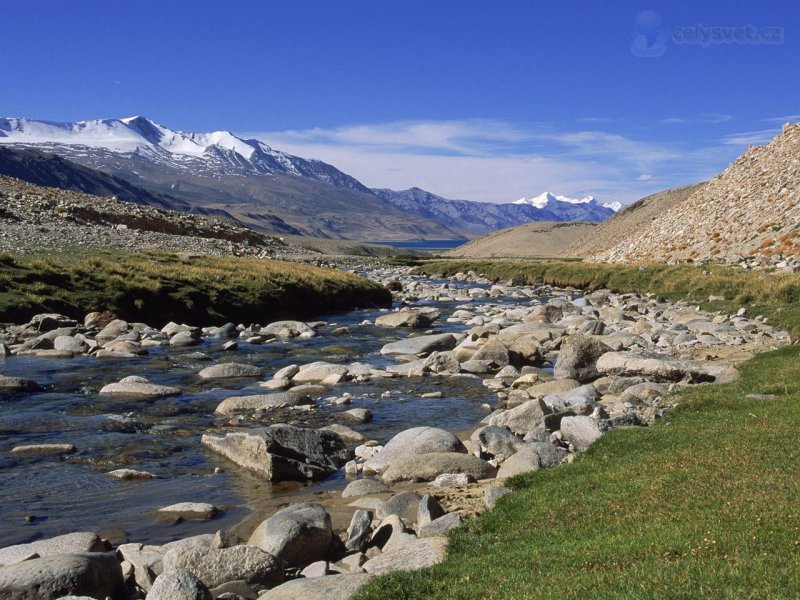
point(784, 119)
point(498, 161)
point(749, 138)
point(704, 118)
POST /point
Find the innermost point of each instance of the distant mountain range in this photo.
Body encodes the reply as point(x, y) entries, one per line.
point(472, 219)
point(268, 190)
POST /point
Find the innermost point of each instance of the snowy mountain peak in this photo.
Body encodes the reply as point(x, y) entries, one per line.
point(125, 135)
point(547, 198)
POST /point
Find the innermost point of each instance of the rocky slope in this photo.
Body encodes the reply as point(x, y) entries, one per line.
point(538, 239)
point(35, 218)
point(748, 213)
point(626, 222)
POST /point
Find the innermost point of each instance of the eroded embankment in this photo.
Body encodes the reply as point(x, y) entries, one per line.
point(159, 287)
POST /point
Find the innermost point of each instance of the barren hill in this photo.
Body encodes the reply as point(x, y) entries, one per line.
point(750, 209)
point(626, 222)
point(539, 239)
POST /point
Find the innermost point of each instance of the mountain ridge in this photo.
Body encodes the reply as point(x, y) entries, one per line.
point(269, 190)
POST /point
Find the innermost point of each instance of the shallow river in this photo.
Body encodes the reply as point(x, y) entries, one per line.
point(73, 493)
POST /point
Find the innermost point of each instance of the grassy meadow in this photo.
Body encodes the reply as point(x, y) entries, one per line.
point(157, 287)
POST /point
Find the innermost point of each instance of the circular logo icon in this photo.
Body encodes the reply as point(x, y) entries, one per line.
point(649, 35)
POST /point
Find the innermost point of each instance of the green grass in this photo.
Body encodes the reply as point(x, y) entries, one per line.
point(704, 504)
point(157, 287)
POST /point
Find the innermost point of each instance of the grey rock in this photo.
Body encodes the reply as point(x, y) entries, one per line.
point(318, 372)
point(138, 386)
point(282, 452)
point(298, 534)
point(492, 494)
point(427, 467)
point(429, 510)
point(130, 475)
point(113, 330)
point(189, 510)
point(364, 487)
point(421, 344)
point(410, 556)
point(315, 569)
point(236, 590)
point(332, 587)
point(183, 339)
point(453, 480)
point(350, 436)
point(18, 384)
point(645, 393)
point(230, 370)
point(178, 585)
point(653, 367)
point(409, 317)
point(358, 531)
point(49, 321)
point(441, 526)
point(215, 566)
point(225, 539)
point(413, 442)
point(286, 372)
point(264, 402)
point(580, 431)
point(145, 560)
point(496, 440)
point(288, 329)
point(532, 457)
point(86, 574)
point(523, 418)
point(70, 344)
point(70, 543)
point(441, 362)
point(43, 449)
point(578, 357)
point(404, 504)
point(358, 415)
point(494, 352)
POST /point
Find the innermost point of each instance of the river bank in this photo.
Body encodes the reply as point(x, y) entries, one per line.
point(503, 341)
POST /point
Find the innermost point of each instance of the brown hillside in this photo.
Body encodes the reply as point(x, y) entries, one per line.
point(622, 225)
point(750, 209)
point(537, 239)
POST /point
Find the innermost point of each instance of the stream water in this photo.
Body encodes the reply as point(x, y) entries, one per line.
point(45, 496)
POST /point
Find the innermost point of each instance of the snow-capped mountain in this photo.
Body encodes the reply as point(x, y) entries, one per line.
point(546, 199)
point(264, 188)
point(221, 171)
point(220, 151)
point(477, 218)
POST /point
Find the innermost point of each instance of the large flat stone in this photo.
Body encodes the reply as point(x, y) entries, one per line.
point(282, 452)
point(49, 577)
point(408, 556)
point(262, 402)
point(330, 587)
point(427, 467)
point(653, 367)
point(421, 344)
point(413, 442)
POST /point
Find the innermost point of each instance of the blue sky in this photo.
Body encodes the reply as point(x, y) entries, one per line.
point(478, 100)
